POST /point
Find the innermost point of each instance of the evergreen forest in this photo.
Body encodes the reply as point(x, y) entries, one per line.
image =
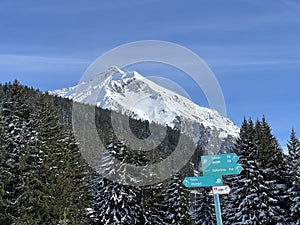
point(44, 179)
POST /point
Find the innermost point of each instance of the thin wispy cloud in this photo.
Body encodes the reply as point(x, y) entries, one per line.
point(17, 59)
point(252, 62)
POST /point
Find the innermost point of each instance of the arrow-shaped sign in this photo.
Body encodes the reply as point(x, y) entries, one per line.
point(203, 181)
point(221, 190)
point(223, 169)
point(207, 160)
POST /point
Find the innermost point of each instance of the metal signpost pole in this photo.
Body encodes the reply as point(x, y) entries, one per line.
point(218, 209)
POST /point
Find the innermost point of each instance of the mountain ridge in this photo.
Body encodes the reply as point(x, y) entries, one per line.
point(132, 94)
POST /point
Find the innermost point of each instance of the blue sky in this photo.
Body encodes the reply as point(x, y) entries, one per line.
point(252, 46)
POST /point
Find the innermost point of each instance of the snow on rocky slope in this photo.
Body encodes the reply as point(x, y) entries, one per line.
point(132, 94)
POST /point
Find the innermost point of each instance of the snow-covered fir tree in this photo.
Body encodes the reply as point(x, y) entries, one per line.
point(15, 116)
point(177, 199)
point(2, 171)
point(245, 187)
point(154, 205)
point(256, 197)
point(293, 170)
point(41, 165)
point(273, 167)
point(202, 207)
point(115, 203)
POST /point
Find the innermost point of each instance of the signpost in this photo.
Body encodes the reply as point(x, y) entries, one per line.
point(208, 160)
point(203, 181)
point(221, 190)
point(223, 169)
point(213, 167)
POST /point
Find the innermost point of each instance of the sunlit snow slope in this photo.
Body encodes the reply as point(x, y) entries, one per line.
point(132, 94)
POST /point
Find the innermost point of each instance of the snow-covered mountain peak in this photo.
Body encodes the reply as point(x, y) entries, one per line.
point(132, 94)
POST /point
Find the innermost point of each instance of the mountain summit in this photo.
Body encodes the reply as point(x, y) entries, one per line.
point(136, 96)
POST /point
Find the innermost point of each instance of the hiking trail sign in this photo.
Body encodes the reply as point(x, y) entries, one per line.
point(213, 167)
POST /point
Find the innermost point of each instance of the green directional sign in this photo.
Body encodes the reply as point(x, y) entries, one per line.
point(207, 160)
point(203, 181)
point(223, 169)
point(215, 166)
